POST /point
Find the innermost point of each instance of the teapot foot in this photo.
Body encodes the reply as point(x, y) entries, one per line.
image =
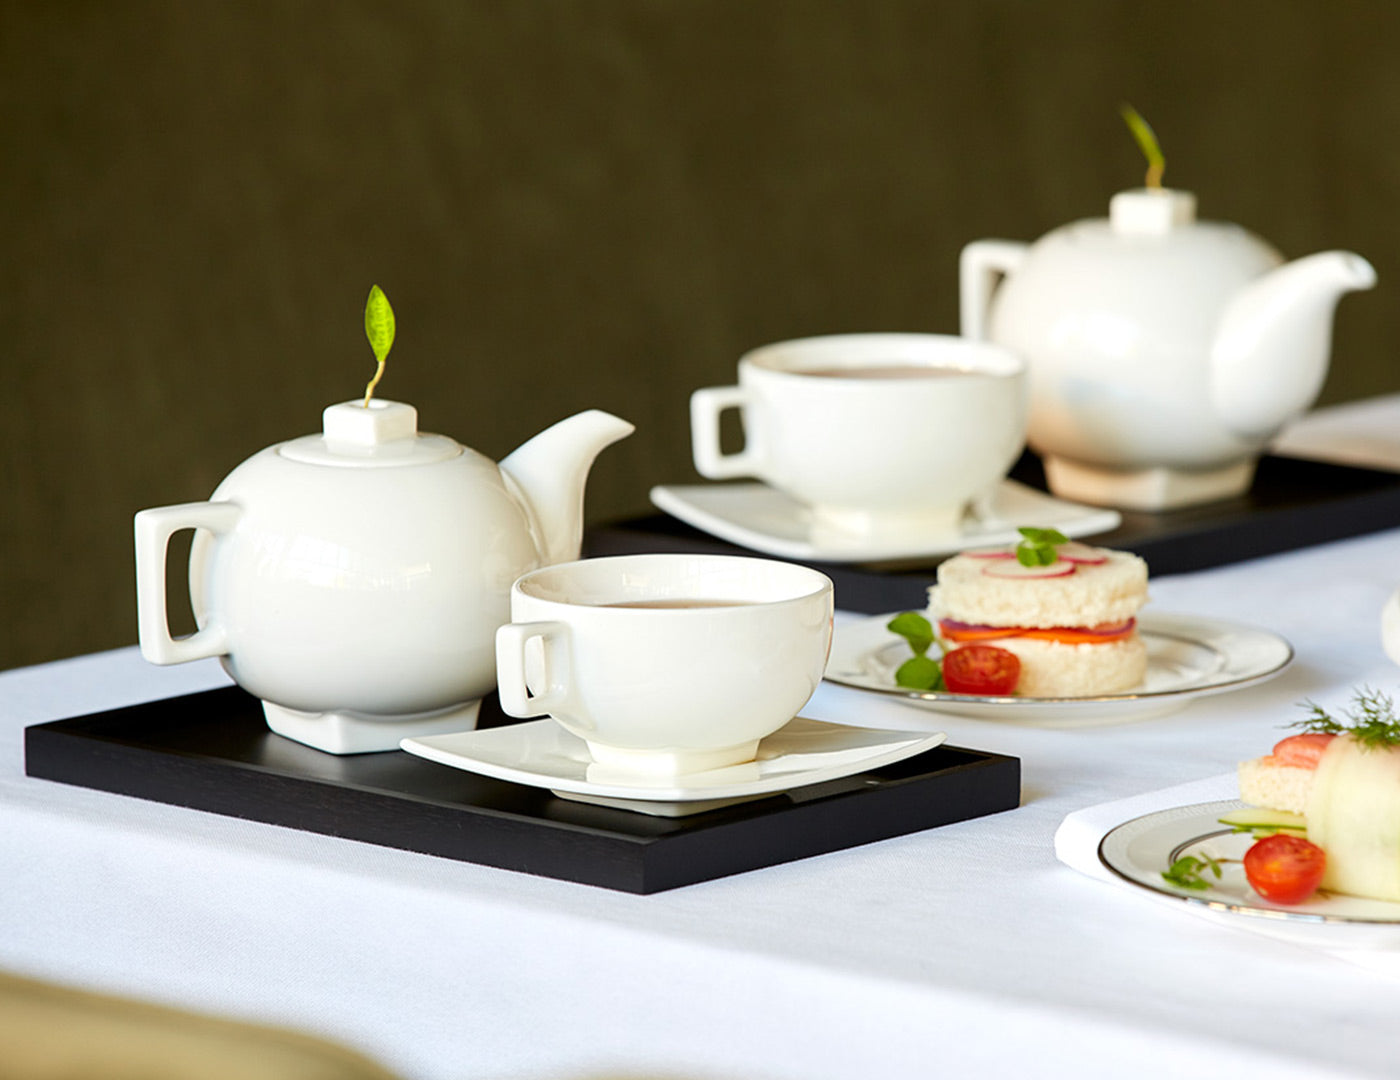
point(348, 732)
point(1152, 489)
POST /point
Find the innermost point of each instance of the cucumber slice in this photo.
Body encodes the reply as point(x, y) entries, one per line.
point(1256, 817)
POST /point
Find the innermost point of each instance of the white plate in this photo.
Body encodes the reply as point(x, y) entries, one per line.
point(540, 753)
point(1187, 657)
point(1139, 850)
point(756, 516)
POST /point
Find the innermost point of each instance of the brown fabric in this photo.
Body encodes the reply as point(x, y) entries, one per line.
point(53, 1033)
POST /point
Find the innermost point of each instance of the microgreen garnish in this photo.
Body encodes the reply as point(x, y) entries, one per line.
point(1147, 142)
point(379, 328)
point(1188, 872)
point(920, 671)
point(1371, 722)
point(1038, 546)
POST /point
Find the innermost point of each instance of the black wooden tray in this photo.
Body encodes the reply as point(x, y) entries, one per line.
point(1292, 504)
point(212, 751)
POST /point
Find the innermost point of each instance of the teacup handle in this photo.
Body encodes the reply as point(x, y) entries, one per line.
point(154, 529)
point(516, 698)
point(705, 408)
point(982, 264)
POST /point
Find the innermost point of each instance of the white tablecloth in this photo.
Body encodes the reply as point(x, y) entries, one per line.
point(961, 951)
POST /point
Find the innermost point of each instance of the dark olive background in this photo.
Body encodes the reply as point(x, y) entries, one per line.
point(578, 204)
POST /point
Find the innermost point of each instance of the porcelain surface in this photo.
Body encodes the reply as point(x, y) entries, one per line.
point(1139, 850)
point(357, 577)
point(664, 690)
point(1390, 626)
point(756, 516)
point(1163, 352)
point(542, 754)
point(870, 454)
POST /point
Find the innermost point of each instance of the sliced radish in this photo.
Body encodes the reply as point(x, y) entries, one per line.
point(1003, 568)
point(1076, 552)
point(991, 553)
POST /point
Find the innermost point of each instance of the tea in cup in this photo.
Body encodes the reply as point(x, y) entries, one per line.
point(666, 664)
point(873, 432)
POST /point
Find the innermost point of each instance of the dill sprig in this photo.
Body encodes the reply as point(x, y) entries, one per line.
point(1371, 721)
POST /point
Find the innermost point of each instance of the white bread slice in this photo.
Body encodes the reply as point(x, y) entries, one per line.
point(1052, 669)
point(1267, 783)
point(1094, 595)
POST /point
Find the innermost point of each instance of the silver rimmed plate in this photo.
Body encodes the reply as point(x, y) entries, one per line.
point(540, 753)
point(1188, 657)
point(1139, 850)
point(761, 518)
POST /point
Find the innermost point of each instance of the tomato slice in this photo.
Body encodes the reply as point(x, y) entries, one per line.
point(1285, 869)
point(981, 669)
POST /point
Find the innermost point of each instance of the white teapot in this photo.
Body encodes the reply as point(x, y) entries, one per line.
point(354, 580)
point(1163, 352)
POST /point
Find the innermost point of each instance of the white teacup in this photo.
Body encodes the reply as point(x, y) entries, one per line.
point(874, 432)
point(666, 664)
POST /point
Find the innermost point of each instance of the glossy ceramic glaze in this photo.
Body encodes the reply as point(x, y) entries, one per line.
point(1164, 352)
point(1390, 627)
point(666, 690)
point(761, 518)
point(871, 455)
point(1188, 657)
point(354, 580)
point(800, 753)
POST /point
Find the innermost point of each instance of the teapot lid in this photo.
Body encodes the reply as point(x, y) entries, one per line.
point(380, 434)
point(1151, 211)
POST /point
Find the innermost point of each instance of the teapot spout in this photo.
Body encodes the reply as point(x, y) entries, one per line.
point(1270, 353)
point(549, 473)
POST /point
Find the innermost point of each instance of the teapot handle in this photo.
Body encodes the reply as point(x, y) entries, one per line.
point(153, 531)
point(982, 265)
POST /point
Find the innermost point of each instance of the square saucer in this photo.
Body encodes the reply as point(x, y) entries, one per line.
point(761, 518)
point(540, 753)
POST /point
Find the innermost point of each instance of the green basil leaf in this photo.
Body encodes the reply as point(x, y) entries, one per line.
point(913, 628)
point(920, 673)
point(1038, 546)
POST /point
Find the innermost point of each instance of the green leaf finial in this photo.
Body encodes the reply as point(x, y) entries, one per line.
point(1147, 141)
point(379, 328)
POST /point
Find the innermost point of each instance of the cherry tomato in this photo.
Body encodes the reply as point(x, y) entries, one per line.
point(1285, 869)
point(981, 669)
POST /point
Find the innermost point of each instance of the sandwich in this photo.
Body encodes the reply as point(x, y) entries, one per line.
point(1068, 612)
